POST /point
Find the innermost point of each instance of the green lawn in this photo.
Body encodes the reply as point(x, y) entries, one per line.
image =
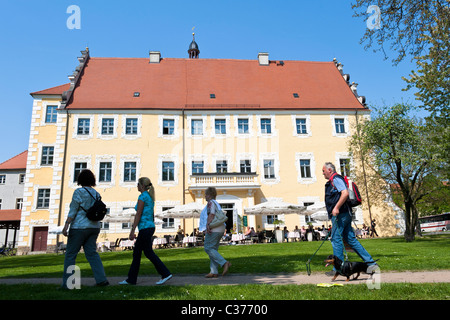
point(428, 253)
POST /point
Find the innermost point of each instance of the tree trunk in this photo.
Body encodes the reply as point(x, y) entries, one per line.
point(409, 221)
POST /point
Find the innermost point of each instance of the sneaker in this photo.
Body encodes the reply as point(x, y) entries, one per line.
point(163, 280)
point(372, 268)
point(124, 282)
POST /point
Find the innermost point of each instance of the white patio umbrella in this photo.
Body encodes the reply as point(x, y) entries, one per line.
point(183, 211)
point(190, 210)
point(275, 207)
point(315, 208)
point(56, 230)
point(125, 216)
point(320, 216)
point(319, 212)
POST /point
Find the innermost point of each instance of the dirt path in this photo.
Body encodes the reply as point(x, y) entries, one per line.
point(274, 279)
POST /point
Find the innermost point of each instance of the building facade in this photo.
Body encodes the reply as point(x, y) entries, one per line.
point(12, 179)
point(254, 129)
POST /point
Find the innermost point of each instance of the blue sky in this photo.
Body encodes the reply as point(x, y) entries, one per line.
point(39, 51)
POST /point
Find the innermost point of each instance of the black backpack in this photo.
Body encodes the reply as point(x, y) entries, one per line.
point(98, 210)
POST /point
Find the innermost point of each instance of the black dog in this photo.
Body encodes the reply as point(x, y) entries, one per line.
point(347, 268)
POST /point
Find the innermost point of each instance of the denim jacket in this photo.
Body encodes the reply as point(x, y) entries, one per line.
point(81, 198)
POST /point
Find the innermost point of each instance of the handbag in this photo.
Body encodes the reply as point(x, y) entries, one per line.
point(219, 217)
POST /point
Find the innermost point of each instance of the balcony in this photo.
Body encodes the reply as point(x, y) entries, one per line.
point(221, 181)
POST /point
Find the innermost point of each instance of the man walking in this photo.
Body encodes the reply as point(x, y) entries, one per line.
point(336, 195)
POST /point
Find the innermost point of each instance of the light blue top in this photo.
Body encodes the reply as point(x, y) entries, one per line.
point(81, 198)
point(339, 184)
point(147, 220)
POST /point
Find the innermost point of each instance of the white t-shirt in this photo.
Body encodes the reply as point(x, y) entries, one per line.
point(210, 207)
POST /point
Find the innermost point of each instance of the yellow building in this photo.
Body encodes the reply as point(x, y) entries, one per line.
point(254, 129)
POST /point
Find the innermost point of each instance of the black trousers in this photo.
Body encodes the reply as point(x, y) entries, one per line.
point(144, 243)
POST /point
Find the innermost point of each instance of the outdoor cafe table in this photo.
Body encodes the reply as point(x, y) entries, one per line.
point(159, 241)
point(237, 237)
point(294, 235)
point(126, 244)
point(104, 245)
point(189, 240)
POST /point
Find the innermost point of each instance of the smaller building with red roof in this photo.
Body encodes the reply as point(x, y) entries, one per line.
point(12, 180)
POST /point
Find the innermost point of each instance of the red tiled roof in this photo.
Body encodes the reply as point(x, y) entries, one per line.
point(10, 215)
point(54, 90)
point(109, 83)
point(16, 162)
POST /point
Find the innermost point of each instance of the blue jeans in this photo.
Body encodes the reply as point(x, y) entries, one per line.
point(211, 246)
point(144, 243)
point(88, 239)
point(342, 227)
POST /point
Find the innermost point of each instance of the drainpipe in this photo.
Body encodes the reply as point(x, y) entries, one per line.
point(184, 162)
point(363, 166)
point(62, 176)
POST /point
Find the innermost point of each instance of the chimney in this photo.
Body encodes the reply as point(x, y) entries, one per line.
point(263, 58)
point(155, 56)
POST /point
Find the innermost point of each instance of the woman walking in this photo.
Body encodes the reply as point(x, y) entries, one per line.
point(83, 232)
point(213, 235)
point(144, 220)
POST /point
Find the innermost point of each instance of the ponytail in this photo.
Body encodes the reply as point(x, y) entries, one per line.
point(151, 191)
point(148, 186)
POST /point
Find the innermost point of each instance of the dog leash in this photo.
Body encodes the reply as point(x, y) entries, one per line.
point(334, 221)
point(308, 263)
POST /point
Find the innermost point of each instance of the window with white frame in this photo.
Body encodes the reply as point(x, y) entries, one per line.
point(198, 166)
point(168, 223)
point(168, 171)
point(266, 125)
point(107, 126)
point(104, 225)
point(51, 114)
point(339, 124)
point(83, 126)
point(344, 166)
point(105, 171)
point(197, 127)
point(305, 168)
point(126, 225)
point(245, 166)
point(47, 156)
point(77, 168)
point(220, 126)
point(168, 127)
point(129, 171)
point(221, 166)
point(43, 199)
point(21, 178)
point(2, 178)
point(243, 126)
point(19, 203)
point(301, 126)
point(271, 218)
point(308, 217)
point(269, 169)
point(131, 126)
